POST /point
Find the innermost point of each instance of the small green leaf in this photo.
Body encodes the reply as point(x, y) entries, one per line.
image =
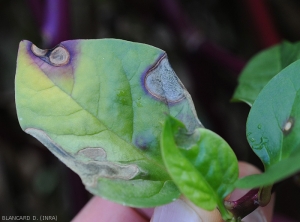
point(262, 68)
point(206, 171)
point(273, 127)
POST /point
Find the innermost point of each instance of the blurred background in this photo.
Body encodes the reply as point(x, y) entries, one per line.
point(208, 43)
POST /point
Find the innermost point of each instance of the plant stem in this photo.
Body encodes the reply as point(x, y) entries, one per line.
point(264, 195)
point(56, 24)
point(258, 197)
point(245, 205)
point(53, 19)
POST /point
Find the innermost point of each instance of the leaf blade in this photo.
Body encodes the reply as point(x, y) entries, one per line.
point(273, 126)
point(277, 172)
point(193, 170)
point(262, 68)
point(98, 101)
point(189, 175)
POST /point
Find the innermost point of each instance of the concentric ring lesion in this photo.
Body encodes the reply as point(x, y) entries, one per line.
point(57, 56)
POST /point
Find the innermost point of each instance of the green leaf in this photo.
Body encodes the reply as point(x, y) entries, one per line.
point(99, 106)
point(273, 127)
point(206, 171)
point(275, 172)
point(262, 68)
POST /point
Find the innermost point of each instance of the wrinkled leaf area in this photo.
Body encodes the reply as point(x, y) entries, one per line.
point(273, 128)
point(204, 170)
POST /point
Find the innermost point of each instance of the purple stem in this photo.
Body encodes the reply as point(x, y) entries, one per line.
point(53, 19)
point(56, 26)
point(249, 202)
point(245, 205)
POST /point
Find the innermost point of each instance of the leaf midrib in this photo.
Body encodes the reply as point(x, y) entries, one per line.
point(80, 105)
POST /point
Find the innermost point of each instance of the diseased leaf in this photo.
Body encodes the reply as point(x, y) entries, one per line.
point(262, 68)
point(99, 105)
point(205, 170)
point(273, 127)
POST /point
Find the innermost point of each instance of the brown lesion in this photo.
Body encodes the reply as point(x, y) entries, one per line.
point(98, 167)
point(58, 56)
point(56, 65)
point(162, 83)
point(37, 51)
point(89, 163)
point(93, 153)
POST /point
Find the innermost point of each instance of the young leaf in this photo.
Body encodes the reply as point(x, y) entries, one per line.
point(273, 127)
point(99, 105)
point(262, 68)
point(206, 171)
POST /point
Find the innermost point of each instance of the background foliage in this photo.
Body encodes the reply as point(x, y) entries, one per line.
point(208, 43)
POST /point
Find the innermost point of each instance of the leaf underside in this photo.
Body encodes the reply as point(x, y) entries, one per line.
point(95, 111)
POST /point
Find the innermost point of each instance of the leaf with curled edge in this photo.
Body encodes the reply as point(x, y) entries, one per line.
point(99, 105)
point(205, 169)
point(262, 68)
point(273, 128)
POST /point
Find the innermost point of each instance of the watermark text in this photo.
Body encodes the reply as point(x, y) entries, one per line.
point(29, 218)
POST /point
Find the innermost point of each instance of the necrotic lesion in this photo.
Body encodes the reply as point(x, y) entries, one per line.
point(98, 167)
point(89, 163)
point(94, 170)
point(93, 153)
point(162, 82)
point(59, 56)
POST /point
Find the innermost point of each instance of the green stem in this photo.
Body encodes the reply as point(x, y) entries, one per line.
point(264, 195)
point(226, 215)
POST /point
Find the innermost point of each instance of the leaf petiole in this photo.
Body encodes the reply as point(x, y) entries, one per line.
point(264, 195)
point(245, 205)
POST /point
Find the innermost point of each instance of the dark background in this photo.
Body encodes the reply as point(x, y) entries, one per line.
point(208, 43)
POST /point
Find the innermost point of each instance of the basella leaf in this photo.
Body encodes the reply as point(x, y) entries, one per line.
point(204, 171)
point(273, 128)
point(99, 105)
point(262, 68)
